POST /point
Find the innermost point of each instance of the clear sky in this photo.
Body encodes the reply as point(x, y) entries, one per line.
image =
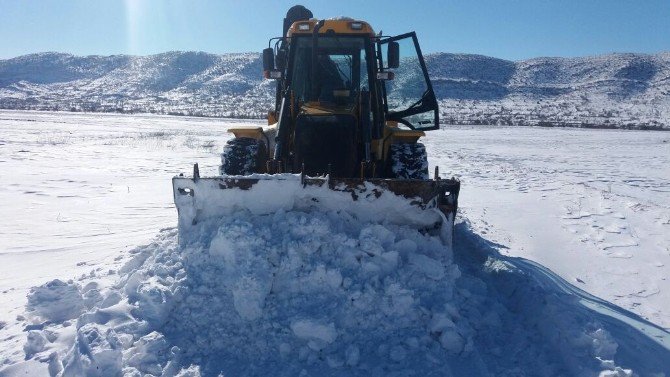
point(510, 29)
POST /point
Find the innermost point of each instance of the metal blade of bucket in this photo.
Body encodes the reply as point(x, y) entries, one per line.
point(420, 204)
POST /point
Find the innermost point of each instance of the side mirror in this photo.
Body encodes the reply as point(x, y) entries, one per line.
point(281, 59)
point(393, 53)
point(268, 59)
point(269, 71)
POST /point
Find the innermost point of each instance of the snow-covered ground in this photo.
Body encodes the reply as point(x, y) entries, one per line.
point(550, 218)
point(80, 189)
point(592, 206)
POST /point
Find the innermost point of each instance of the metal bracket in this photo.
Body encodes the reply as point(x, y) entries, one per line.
point(196, 172)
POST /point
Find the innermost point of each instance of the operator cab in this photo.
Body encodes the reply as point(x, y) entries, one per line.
point(336, 97)
point(350, 59)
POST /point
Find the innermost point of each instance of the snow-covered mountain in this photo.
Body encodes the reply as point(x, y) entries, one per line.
point(616, 90)
point(194, 83)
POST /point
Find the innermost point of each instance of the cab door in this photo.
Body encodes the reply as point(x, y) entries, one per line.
point(408, 98)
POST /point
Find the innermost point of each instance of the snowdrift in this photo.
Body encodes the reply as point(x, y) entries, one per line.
point(319, 293)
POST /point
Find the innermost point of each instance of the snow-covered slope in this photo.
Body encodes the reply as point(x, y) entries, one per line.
point(194, 83)
point(616, 90)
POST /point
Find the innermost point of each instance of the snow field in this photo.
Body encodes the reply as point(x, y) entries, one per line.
point(592, 206)
point(82, 189)
point(161, 309)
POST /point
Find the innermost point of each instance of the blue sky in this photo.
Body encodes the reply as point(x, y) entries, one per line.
point(510, 29)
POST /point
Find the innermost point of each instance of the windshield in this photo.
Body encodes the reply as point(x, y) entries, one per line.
point(342, 70)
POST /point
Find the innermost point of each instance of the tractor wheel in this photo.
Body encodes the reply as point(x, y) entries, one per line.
point(243, 156)
point(408, 161)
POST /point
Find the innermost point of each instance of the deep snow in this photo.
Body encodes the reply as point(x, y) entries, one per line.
point(239, 291)
point(318, 293)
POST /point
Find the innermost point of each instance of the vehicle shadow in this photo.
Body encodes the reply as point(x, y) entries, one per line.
point(565, 322)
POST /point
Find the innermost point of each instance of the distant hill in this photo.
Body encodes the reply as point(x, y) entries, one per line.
point(615, 90)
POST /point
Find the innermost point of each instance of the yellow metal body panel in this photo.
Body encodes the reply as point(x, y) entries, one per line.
point(272, 117)
point(337, 26)
point(394, 134)
point(250, 132)
point(316, 108)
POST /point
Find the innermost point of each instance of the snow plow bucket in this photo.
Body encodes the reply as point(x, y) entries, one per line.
point(429, 205)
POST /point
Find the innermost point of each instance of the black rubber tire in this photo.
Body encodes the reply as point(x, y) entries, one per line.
point(243, 156)
point(408, 161)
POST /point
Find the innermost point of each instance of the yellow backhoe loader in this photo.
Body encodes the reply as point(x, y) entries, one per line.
point(351, 106)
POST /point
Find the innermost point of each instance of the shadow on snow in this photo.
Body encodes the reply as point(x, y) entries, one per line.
point(545, 305)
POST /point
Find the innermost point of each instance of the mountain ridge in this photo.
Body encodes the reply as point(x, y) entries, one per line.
point(628, 90)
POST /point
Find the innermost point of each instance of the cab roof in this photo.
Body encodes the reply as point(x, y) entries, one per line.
point(341, 25)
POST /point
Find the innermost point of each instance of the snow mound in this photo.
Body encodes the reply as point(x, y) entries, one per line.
point(316, 293)
point(56, 301)
point(98, 352)
point(263, 291)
